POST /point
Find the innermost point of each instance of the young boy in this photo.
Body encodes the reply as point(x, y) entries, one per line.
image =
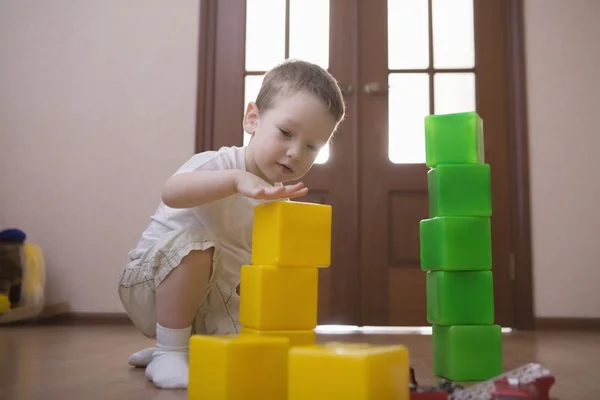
point(182, 276)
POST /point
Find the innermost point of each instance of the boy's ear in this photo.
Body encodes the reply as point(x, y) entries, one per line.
point(251, 118)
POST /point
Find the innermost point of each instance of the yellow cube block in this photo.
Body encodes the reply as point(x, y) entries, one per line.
point(278, 298)
point(297, 337)
point(238, 367)
point(349, 372)
point(4, 303)
point(292, 234)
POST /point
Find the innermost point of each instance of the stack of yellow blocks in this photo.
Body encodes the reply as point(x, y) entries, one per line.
point(279, 291)
point(276, 356)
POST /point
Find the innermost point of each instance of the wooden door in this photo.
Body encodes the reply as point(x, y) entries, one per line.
point(249, 38)
point(436, 57)
point(373, 174)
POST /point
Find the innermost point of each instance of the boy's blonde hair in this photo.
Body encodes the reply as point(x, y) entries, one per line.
point(293, 76)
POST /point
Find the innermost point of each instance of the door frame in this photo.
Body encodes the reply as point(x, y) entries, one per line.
point(519, 165)
point(211, 41)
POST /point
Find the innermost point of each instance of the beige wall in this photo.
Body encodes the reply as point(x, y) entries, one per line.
point(92, 93)
point(97, 108)
point(563, 65)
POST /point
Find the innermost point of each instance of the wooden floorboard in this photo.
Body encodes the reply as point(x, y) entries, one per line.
point(90, 362)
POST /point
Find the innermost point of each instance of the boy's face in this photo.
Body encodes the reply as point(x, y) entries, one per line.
point(287, 137)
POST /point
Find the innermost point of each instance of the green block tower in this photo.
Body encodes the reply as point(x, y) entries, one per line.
point(456, 250)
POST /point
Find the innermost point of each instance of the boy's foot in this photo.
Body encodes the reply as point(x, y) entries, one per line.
point(142, 358)
point(169, 366)
point(168, 369)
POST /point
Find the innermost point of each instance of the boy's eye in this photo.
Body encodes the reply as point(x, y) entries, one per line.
point(312, 148)
point(285, 133)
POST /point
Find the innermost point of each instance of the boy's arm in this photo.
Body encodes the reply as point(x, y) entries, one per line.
point(191, 189)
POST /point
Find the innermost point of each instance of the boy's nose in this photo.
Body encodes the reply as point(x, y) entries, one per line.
point(293, 153)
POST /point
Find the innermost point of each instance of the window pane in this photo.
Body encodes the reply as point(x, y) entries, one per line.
point(408, 34)
point(323, 155)
point(265, 34)
point(454, 92)
point(408, 105)
point(251, 89)
point(453, 37)
point(309, 31)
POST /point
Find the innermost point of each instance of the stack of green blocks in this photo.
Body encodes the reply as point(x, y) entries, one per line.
point(456, 250)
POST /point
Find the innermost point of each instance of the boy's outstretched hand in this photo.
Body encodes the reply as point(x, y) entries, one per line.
point(254, 187)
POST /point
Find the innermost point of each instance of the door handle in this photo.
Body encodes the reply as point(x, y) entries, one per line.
point(346, 88)
point(375, 88)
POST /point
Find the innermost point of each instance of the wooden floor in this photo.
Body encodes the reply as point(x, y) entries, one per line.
point(90, 362)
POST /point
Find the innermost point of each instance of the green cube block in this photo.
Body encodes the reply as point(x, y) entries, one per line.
point(467, 353)
point(454, 139)
point(460, 190)
point(456, 244)
point(460, 298)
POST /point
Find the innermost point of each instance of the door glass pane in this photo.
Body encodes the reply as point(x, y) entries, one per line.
point(323, 155)
point(265, 41)
point(408, 105)
point(265, 34)
point(453, 37)
point(251, 89)
point(408, 34)
point(309, 39)
point(454, 92)
point(309, 31)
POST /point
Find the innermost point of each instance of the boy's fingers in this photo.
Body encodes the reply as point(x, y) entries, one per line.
point(276, 190)
point(298, 193)
point(289, 191)
point(294, 188)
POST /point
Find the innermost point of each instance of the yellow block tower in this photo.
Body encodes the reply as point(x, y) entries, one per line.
point(276, 355)
point(279, 290)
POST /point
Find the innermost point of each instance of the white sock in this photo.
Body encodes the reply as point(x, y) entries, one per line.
point(142, 358)
point(169, 366)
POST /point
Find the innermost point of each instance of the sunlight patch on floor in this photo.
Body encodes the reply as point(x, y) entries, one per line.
point(380, 330)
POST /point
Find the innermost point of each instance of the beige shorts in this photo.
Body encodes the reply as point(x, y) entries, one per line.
point(219, 311)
